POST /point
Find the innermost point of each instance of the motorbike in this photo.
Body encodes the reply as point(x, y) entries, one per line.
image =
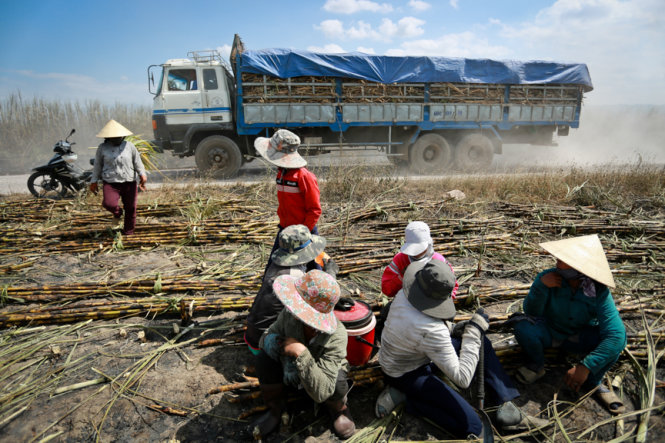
point(61, 176)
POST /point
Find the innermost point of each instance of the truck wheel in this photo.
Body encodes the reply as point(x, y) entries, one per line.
point(474, 152)
point(218, 156)
point(430, 153)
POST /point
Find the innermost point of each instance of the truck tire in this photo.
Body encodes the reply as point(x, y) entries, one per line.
point(218, 156)
point(430, 153)
point(474, 152)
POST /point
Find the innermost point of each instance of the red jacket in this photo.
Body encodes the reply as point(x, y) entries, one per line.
point(391, 281)
point(298, 197)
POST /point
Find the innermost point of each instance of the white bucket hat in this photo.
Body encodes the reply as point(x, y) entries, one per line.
point(113, 129)
point(585, 254)
point(416, 238)
point(281, 149)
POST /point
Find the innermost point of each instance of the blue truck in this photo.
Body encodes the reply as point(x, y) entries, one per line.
point(430, 113)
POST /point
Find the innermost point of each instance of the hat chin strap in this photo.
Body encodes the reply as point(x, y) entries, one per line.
point(291, 251)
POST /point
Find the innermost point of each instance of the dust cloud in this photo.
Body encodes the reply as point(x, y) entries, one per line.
point(607, 135)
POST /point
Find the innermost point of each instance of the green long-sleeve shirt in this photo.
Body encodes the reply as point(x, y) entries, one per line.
point(320, 363)
point(567, 311)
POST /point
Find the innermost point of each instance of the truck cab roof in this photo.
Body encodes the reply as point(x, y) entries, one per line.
point(179, 62)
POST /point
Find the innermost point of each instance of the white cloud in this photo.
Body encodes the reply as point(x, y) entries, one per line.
point(406, 27)
point(365, 50)
point(327, 49)
point(465, 44)
point(72, 87)
point(453, 3)
point(353, 6)
point(224, 51)
point(419, 5)
point(620, 41)
point(332, 29)
point(361, 31)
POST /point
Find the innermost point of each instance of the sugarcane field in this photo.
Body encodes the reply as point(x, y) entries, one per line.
point(332, 221)
point(111, 337)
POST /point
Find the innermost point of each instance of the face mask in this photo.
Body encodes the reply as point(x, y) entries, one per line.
point(569, 274)
point(429, 252)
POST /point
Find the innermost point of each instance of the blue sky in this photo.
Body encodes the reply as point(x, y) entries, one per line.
point(100, 49)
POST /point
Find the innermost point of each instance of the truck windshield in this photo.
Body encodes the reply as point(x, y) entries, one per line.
point(182, 80)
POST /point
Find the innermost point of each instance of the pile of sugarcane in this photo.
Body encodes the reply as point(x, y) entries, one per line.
point(259, 88)
point(169, 297)
point(265, 89)
point(250, 226)
point(508, 236)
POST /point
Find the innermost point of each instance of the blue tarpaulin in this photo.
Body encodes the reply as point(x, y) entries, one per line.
point(285, 63)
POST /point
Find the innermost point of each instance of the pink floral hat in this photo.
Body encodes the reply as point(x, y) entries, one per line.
point(311, 298)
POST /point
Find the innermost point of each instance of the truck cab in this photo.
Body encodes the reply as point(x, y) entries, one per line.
point(193, 101)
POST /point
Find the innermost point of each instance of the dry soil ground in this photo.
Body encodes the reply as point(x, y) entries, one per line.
point(144, 359)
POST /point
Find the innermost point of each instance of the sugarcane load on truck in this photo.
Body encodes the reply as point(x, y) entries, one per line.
point(432, 113)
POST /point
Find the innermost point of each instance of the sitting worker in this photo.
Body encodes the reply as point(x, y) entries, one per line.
point(418, 246)
point(297, 247)
point(570, 307)
point(305, 348)
point(417, 340)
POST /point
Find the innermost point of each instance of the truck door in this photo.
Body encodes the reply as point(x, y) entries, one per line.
point(182, 97)
point(215, 96)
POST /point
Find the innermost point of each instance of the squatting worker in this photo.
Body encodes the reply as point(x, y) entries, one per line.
point(117, 163)
point(298, 193)
point(297, 247)
point(306, 349)
point(570, 307)
point(419, 340)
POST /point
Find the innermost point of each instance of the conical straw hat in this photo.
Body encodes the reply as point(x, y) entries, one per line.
point(113, 129)
point(585, 254)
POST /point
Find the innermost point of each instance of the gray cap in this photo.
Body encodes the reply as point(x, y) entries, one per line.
point(428, 287)
point(297, 246)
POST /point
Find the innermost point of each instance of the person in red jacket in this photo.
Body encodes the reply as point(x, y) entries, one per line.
point(298, 193)
point(418, 246)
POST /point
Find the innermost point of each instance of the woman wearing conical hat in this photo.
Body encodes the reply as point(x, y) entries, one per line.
point(570, 307)
point(117, 163)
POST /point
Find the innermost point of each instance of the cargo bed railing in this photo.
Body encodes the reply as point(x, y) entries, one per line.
point(326, 90)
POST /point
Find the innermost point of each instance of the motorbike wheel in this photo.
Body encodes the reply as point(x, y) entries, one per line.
point(43, 185)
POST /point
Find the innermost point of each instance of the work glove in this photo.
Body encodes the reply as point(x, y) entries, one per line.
point(272, 345)
point(291, 376)
point(518, 317)
point(330, 267)
point(480, 320)
point(458, 329)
